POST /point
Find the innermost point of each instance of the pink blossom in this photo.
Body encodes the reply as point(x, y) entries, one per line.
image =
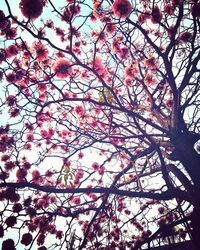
point(122, 8)
point(95, 165)
point(76, 200)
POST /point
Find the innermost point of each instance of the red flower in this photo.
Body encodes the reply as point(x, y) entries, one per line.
point(11, 100)
point(123, 53)
point(102, 37)
point(70, 12)
point(95, 165)
point(41, 51)
point(36, 177)
point(49, 24)
point(122, 8)
point(131, 71)
point(27, 165)
point(27, 202)
point(60, 54)
point(59, 32)
point(149, 80)
point(27, 146)
point(93, 17)
point(40, 239)
point(196, 10)
point(4, 176)
point(29, 137)
point(11, 221)
point(9, 165)
point(98, 11)
point(14, 112)
point(59, 234)
point(4, 23)
point(76, 200)
point(51, 132)
point(47, 134)
point(26, 239)
point(101, 170)
point(98, 66)
point(31, 8)
point(156, 15)
point(5, 157)
point(185, 36)
point(151, 63)
point(11, 77)
point(142, 18)
point(10, 33)
point(61, 68)
point(17, 207)
point(11, 195)
point(29, 126)
point(8, 244)
point(110, 28)
point(79, 174)
point(21, 174)
point(79, 110)
point(169, 9)
point(42, 87)
point(80, 155)
point(128, 82)
point(2, 16)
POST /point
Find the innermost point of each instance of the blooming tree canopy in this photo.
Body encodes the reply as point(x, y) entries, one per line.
point(99, 135)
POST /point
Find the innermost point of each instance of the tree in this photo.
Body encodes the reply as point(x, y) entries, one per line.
point(100, 123)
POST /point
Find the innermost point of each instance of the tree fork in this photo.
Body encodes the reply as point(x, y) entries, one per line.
point(184, 152)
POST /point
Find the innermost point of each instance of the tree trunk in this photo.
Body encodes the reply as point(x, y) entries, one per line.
point(190, 159)
point(195, 223)
point(186, 154)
